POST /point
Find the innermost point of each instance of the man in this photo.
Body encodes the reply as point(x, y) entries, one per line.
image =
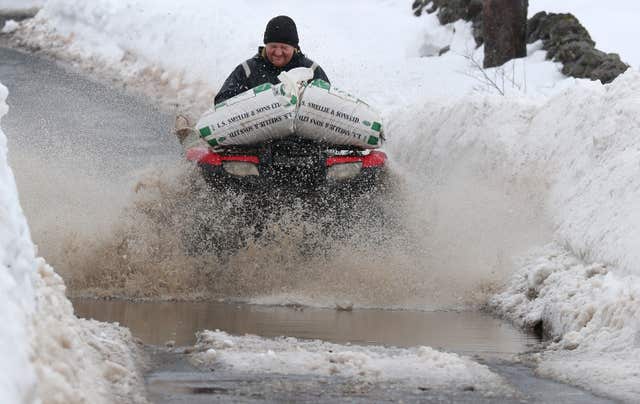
point(280, 53)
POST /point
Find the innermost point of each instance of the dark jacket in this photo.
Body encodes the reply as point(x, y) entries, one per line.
point(261, 71)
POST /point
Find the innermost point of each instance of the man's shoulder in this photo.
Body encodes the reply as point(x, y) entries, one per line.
point(249, 65)
point(251, 61)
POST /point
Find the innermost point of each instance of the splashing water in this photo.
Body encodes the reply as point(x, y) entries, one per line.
point(179, 239)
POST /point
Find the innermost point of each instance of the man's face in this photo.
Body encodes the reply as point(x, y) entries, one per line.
point(279, 54)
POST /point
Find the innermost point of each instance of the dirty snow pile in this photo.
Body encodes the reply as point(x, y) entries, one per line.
point(415, 367)
point(592, 315)
point(47, 353)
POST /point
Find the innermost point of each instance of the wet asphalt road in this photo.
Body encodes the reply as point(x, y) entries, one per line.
point(55, 111)
point(175, 380)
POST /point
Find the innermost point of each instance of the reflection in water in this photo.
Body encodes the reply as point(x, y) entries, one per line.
point(465, 332)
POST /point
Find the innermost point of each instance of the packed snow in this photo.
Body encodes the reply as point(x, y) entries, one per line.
point(422, 367)
point(48, 354)
point(568, 148)
point(17, 264)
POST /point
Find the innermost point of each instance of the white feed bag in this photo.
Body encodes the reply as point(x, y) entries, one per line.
point(333, 116)
point(260, 114)
point(255, 116)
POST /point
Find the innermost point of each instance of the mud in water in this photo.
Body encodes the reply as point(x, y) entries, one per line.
point(179, 239)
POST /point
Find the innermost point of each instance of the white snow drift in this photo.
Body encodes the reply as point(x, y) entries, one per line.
point(49, 355)
point(567, 148)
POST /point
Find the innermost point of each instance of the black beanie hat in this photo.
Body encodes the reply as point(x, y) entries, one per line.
point(281, 29)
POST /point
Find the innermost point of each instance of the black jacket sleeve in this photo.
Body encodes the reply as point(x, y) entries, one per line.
point(235, 84)
point(320, 74)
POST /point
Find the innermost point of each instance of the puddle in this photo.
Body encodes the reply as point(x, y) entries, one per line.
point(468, 332)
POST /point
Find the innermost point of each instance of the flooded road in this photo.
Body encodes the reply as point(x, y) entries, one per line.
point(468, 332)
point(175, 379)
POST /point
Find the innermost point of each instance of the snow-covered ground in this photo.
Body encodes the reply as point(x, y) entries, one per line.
point(568, 148)
point(49, 355)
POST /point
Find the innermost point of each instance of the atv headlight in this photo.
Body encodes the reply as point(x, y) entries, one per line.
point(344, 171)
point(240, 168)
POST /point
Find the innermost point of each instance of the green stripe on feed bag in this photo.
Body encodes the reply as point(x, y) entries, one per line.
point(261, 88)
point(321, 83)
point(213, 141)
point(373, 140)
point(377, 126)
point(206, 131)
point(294, 100)
point(366, 123)
point(220, 105)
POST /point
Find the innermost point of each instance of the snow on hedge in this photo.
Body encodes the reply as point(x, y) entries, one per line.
point(47, 353)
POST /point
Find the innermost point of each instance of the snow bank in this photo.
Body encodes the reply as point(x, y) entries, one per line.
point(17, 264)
point(581, 143)
point(576, 155)
point(417, 367)
point(47, 353)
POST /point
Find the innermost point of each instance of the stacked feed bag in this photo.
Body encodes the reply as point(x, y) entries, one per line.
point(315, 111)
point(260, 114)
point(333, 116)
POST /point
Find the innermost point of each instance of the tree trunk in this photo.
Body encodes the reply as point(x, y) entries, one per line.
point(505, 30)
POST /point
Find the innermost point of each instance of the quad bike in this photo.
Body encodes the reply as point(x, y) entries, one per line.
point(340, 181)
